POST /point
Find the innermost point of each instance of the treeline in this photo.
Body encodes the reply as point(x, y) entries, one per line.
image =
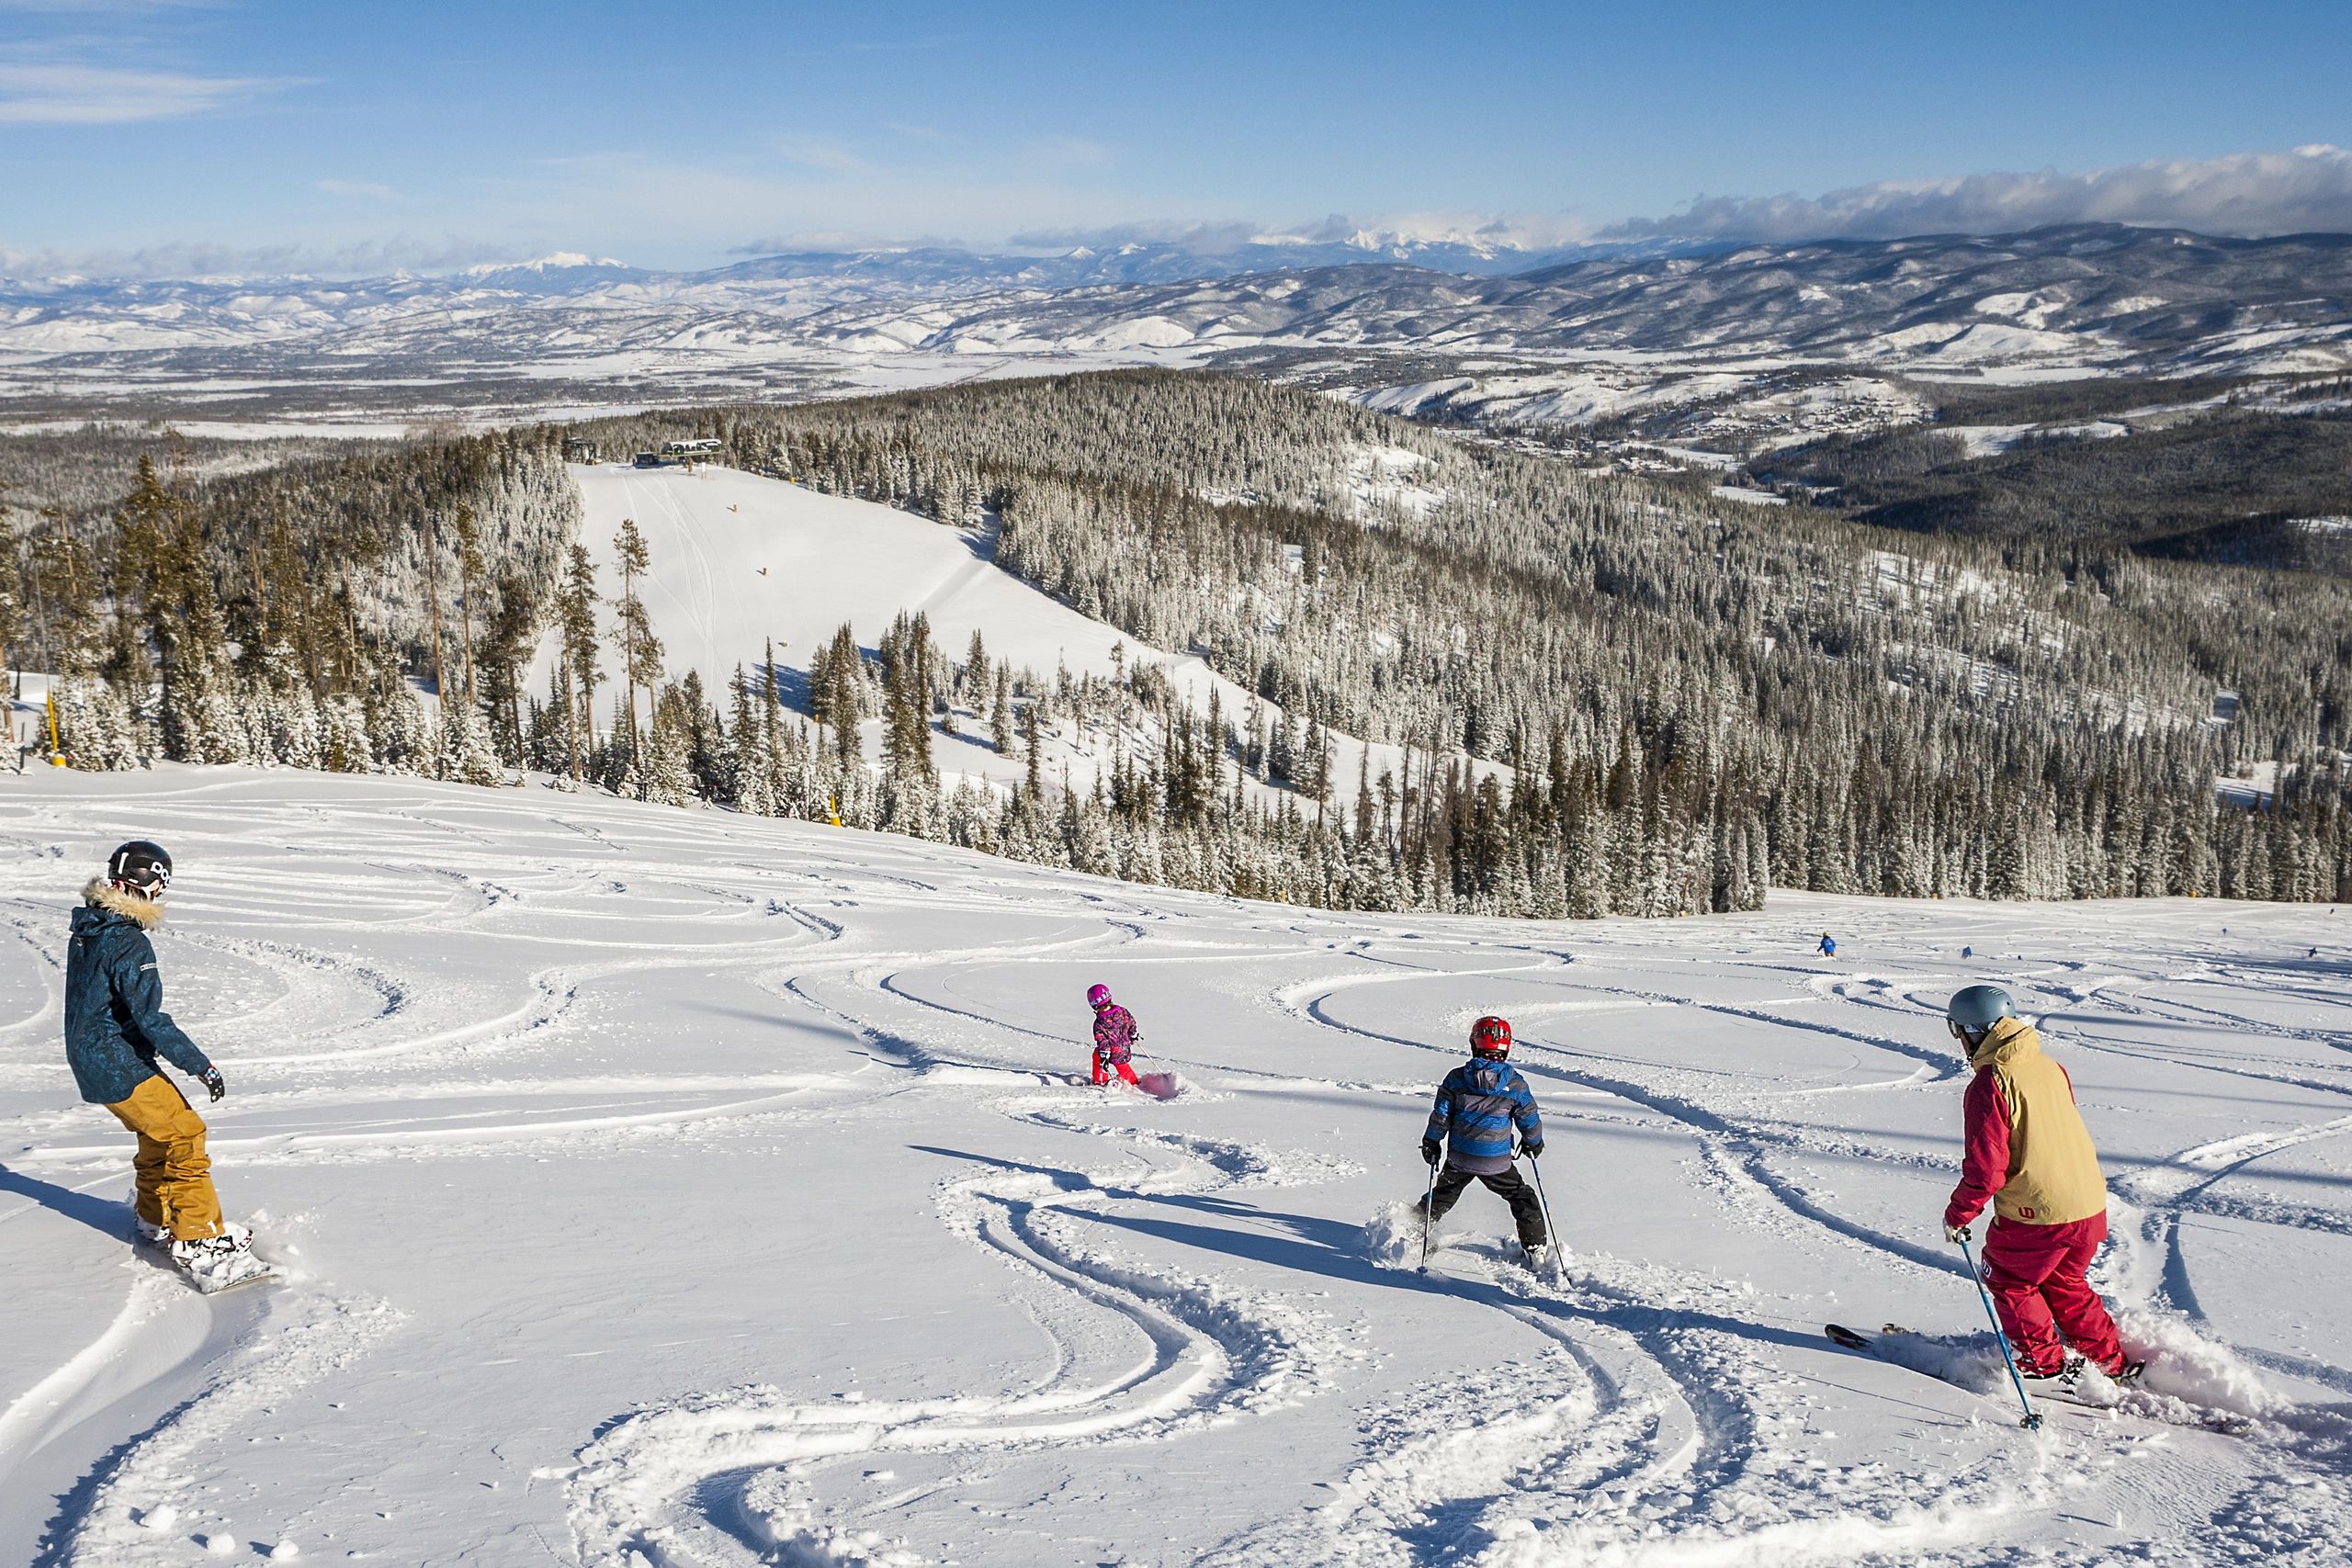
point(82, 472)
point(2218, 488)
point(1882, 713)
point(1597, 696)
point(290, 615)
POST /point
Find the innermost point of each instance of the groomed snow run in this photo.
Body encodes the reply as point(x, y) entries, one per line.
point(739, 560)
point(664, 1188)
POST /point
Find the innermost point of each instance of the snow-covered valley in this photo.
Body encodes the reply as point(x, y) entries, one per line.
point(1734, 348)
point(673, 1186)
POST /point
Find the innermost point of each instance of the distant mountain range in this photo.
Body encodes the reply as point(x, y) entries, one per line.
point(73, 312)
point(1484, 332)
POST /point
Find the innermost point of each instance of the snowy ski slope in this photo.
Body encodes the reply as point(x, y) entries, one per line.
point(739, 561)
point(660, 1187)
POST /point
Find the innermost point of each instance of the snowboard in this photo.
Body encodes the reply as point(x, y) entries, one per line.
point(1159, 1086)
point(265, 1274)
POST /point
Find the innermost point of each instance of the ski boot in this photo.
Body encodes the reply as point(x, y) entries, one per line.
point(1536, 1258)
point(2067, 1382)
point(2128, 1376)
point(216, 1262)
point(142, 1233)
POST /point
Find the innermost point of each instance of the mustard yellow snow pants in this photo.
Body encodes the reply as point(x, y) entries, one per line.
point(174, 1173)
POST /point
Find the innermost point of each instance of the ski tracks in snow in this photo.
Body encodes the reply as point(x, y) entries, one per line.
point(1138, 1354)
point(1638, 1413)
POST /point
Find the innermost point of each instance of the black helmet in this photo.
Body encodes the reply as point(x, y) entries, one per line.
point(140, 867)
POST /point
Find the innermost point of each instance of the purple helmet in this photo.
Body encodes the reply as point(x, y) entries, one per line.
point(1097, 997)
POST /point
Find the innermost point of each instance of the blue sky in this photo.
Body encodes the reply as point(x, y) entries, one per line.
point(427, 133)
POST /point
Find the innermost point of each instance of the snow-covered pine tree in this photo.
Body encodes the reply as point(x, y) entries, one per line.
point(464, 755)
point(1000, 723)
point(576, 618)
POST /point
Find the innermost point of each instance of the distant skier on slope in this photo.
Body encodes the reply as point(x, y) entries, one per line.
point(1477, 1107)
point(1828, 945)
point(1114, 1037)
point(115, 1028)
point(2026, 1152)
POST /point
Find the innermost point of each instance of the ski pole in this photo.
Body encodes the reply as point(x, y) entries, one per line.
point(1550, 1234)
point(2032, 1417)
point(1428, 1199)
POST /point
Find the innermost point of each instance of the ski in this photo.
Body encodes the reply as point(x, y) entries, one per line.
point(2140, 1404)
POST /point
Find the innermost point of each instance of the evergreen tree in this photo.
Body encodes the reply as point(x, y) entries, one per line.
point(576, 616)
point(640, 650)
point(1001, 712)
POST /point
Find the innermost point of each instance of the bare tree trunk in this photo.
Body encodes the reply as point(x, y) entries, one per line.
point(433, 592)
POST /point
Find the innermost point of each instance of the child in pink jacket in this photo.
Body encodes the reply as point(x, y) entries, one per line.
point(1114, 1037)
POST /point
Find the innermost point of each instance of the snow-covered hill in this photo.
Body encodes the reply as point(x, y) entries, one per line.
point(672, 1187)
point(739, 559)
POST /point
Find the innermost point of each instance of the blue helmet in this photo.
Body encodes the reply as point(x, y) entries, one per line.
point(1975, 1008)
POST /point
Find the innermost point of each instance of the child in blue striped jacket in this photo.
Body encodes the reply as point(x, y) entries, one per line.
point(1479, 1106)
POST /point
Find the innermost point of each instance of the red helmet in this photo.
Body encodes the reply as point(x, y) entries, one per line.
point(1490, 1036)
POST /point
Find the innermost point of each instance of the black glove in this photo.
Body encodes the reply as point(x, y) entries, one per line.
point(213, 1086)
point(1533, 1150)
point(1430, 1151)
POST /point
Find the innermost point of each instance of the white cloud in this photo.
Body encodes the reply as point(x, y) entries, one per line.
point(101, 7)
point(1517, 231)
point(826, 157)
point(1203, 238)
point(191, 259)
point(1489, 230)
point(364, 190)
point(104, 95)
point(837, 242)
point(2306, 190)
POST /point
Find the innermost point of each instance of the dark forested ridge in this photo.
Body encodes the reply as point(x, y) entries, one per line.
point(2255, 486)
point(1691, 699)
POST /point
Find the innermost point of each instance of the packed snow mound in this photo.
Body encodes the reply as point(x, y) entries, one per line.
point(712, 1191)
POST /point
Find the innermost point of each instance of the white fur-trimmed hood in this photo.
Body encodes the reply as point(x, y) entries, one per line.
point(145, 913)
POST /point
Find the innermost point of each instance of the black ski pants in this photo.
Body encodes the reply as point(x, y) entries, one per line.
point(1505, 1184)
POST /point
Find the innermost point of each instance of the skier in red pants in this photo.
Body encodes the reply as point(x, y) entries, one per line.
point(1114, 1037)
point(2028, 1153)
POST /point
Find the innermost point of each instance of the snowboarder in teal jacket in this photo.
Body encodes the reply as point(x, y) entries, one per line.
point(1479, 1106)
point(116, 1028)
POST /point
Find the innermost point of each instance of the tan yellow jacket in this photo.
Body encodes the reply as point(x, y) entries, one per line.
point(2026, 1148)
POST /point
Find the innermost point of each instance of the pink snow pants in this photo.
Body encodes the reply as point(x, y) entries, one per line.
point(2035, 1273)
